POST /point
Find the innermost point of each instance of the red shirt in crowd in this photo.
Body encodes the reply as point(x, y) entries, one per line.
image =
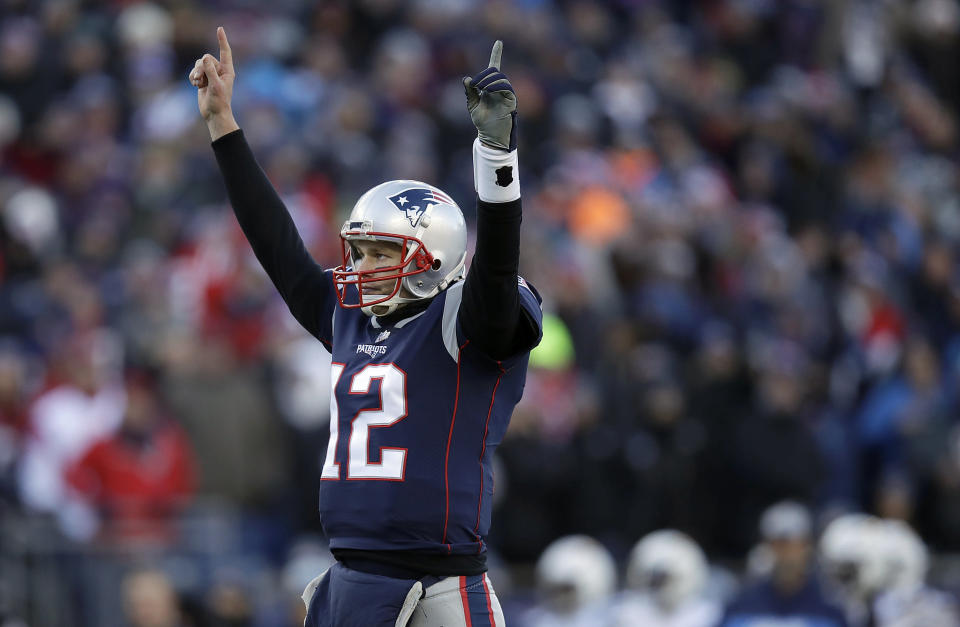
point(137, 481)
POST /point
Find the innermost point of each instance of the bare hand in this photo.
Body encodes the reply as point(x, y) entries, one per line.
point(213, 79)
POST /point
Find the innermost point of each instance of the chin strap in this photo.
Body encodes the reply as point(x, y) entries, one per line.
point(389, 309)
point(398, 311)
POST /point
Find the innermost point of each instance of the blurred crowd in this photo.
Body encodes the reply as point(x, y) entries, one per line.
point(743, 216)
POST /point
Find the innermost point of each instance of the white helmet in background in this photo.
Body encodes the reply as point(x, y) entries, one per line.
point(432, 235)
point(669, 565)
point(575, 571)
point(905, 557)
point(851, 554)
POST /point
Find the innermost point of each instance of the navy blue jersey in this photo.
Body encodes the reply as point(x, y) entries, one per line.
point(418, 406)
point(416, 415)
point(762, 605)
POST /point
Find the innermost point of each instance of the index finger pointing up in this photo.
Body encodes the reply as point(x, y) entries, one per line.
point(495, 54)
point(226, 57)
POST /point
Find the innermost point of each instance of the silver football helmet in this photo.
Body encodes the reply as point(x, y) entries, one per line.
point(576, 571)
point(669, 565)
point(905, 557)
point(432, 234)
point(851, 555)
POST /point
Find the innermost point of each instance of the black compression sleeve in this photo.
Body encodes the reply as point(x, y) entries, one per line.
point(271, 232)
point(490, 315)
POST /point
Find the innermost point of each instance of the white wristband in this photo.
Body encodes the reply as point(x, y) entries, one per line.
point(496, 174)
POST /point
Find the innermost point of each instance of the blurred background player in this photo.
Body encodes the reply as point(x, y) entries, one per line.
point(850, 549)
point(790, 593)
point(576, 578)
point(666, 575)
point(906, 600)
point(429, 361)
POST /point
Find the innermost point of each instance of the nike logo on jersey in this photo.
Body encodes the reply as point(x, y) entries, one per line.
point(374, 350)
point(382, 337)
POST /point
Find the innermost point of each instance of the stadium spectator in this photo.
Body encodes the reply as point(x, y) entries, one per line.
point(66, 420)
point(224, 408)
point(774, 454)
point(14, 416)
point(141, 476)
point(150, 600)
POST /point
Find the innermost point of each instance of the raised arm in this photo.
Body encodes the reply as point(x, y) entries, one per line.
point(491, 314)
point(259, 210)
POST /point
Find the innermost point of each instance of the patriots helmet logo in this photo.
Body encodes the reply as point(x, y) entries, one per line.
point(414, 202)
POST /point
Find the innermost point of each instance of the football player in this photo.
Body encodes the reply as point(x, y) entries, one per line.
point(786, 590)
point(666, 574)
point(576, 578)
point(852, 560)
point(429, 360)
point(906, 598)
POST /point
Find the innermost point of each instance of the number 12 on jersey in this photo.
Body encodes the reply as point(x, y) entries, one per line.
point(392, 409)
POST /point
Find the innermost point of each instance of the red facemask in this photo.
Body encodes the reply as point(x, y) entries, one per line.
point(415, 255)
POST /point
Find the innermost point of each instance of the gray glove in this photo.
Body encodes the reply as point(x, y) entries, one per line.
point(492, 104)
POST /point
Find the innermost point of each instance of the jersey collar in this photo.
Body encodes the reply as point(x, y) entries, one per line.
point(401, 316)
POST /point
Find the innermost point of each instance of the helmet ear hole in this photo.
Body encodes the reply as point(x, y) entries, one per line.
point(436, 264)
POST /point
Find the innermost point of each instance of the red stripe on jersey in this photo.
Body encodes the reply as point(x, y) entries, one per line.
point(446, 463)
point(486, 593)
point(466, 601)
point(483, 449)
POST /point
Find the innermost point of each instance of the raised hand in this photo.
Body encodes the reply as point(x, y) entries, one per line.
point(214, 81)
point(492, 104)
